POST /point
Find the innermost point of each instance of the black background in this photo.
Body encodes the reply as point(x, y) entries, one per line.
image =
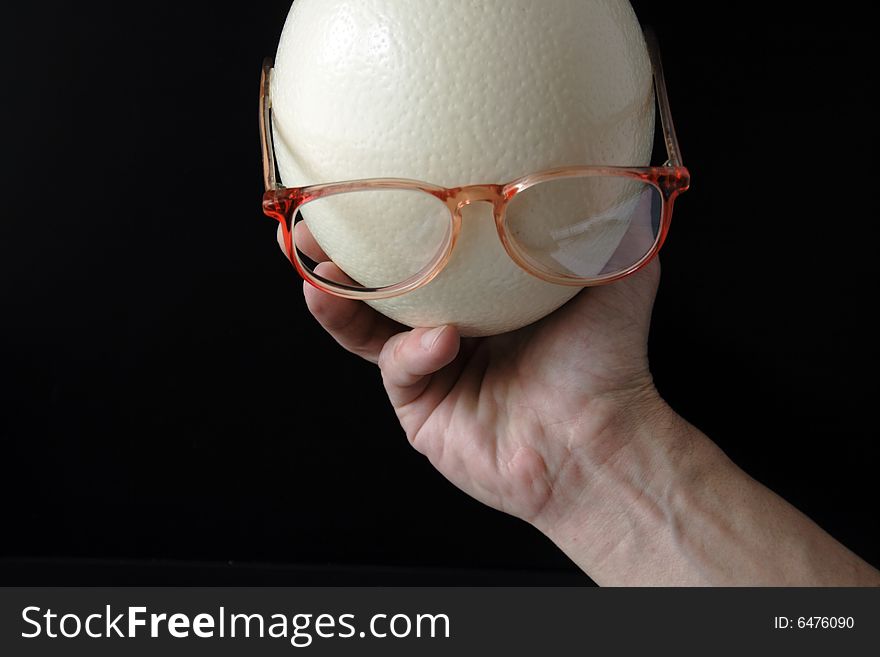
point(164, 394)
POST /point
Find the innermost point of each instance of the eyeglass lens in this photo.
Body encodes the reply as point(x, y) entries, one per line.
point(585, 227)
point(378, 238)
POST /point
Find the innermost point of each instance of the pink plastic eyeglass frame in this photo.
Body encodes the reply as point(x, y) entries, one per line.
point(283, 203)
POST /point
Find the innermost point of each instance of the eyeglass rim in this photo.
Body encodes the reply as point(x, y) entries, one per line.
point(282, 203)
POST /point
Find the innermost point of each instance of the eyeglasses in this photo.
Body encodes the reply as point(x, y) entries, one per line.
point(577, 225)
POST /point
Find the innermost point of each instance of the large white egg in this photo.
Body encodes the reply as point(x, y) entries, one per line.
point(455, 92)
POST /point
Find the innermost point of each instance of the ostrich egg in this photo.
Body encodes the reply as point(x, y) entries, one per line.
point(453, 93)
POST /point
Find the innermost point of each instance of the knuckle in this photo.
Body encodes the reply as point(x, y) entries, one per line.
point(388, 354)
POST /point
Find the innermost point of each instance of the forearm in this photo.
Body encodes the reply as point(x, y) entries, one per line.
point(665, 506)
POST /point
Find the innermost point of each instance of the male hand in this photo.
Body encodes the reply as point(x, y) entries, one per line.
point(510, 419)
point(559, 424)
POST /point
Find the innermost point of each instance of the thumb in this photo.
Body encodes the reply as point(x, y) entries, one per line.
point(409, 359)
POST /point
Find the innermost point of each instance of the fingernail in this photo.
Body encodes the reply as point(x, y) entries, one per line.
point(429, 338)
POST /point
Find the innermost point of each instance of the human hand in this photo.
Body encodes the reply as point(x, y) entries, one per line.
point(559, 424)
point(511, 419)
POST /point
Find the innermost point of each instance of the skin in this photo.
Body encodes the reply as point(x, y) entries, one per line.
point(559, 424)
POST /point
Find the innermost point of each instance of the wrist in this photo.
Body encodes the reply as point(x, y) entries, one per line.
point(637, 455)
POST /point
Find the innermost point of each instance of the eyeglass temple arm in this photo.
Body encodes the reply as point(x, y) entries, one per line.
point(672, 148)
point(266, 127)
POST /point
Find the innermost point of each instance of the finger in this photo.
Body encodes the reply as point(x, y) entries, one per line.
point(623, 306)
point(353, 324)
point(409, 359)
point(634, 296)
point(304, 241)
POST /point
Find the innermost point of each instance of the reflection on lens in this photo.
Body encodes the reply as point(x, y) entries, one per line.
point(378, 238)
point(587, 226)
